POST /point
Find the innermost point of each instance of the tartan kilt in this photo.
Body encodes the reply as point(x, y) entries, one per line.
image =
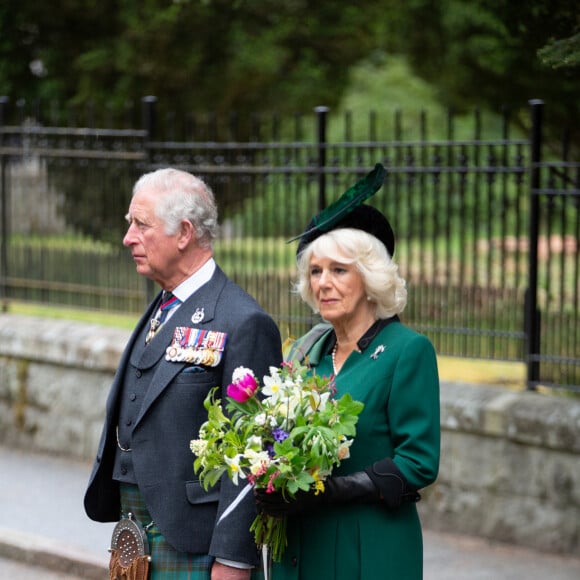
point(166, 562)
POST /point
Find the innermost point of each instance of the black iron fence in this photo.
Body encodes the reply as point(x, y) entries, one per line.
point(487, 230)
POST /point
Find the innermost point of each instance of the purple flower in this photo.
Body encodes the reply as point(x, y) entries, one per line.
point(279, 434)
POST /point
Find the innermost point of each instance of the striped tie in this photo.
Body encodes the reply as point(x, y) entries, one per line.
point(168, 301)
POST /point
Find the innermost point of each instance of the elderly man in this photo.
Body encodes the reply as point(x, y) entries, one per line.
point(190, 339)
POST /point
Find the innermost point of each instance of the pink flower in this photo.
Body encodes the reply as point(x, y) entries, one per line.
point(270, 487)
point(243, 388)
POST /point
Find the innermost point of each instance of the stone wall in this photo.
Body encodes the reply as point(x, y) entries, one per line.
point(54, 380)
point(510, 467)
point(510, 464)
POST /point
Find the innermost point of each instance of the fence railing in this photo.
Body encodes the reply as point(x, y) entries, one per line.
point(487, 231)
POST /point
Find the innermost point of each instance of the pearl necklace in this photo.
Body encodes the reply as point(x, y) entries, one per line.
point(333, 355)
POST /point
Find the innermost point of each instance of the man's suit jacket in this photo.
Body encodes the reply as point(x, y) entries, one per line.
point(170, 417)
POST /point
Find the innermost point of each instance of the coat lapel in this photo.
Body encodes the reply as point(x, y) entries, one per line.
point(203, 301)
point(127, 354)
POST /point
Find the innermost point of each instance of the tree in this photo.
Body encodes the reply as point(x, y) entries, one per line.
point(564, 52)
point(485, 53)
point(243, 56)
point(217, 55)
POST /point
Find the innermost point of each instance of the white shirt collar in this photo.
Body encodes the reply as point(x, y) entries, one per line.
point(195, 281)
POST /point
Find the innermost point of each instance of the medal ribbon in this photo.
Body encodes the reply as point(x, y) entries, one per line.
point(196, 345)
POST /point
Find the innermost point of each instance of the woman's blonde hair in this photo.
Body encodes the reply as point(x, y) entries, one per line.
point(385, 288)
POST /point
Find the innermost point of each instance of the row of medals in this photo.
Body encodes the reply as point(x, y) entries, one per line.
point(206, 356)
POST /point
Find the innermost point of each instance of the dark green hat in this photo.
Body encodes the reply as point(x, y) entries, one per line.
point(350, 212)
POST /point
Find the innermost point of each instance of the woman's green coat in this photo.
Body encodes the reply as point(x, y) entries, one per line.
point(395, 376)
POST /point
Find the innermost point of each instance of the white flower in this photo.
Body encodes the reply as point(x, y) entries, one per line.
point(198, 446)
point(260, 419)
point(233, 464)
point(259, 460)
point(254, 442)
point(344, 449)
point(272, 385)
point(240, 372)
point(324, 399)
point(293, 402)
point(290, 383)
point(284, 411)
point(316, 402)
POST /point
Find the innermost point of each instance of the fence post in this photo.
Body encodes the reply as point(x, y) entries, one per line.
point(321, 113)
point(3, 214)
point(532, 314)
point(149, 121)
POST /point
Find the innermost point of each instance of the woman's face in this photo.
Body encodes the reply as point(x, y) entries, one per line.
point(338, 288)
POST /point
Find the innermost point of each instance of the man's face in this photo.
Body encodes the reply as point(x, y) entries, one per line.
point(156, 253)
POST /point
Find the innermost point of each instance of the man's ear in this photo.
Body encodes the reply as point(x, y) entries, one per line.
point(185, 234)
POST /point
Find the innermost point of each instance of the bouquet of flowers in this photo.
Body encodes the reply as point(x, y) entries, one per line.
point(284, 436)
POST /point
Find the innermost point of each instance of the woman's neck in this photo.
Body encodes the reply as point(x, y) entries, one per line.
point(350, 332)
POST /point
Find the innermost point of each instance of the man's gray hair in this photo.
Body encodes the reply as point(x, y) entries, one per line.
point(183, 196)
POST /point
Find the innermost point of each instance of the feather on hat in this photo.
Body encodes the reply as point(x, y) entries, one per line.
point(349, 212)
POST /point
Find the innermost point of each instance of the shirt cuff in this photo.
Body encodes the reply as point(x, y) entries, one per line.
point(241, 565)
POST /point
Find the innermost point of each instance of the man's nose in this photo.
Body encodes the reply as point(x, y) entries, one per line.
point(129, 237)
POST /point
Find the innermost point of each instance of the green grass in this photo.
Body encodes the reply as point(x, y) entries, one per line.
point(63, 242)
point(63, 313)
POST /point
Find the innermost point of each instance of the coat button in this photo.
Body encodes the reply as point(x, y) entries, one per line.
point(132, 396)
point(138, 373)
point(294, 561)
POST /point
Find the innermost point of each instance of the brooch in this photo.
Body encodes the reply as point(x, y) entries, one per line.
point(197, 316)
point(381, 348)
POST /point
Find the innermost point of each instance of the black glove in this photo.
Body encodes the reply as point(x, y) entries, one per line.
point(354, 488)
point(391, 483)
point(381, 482)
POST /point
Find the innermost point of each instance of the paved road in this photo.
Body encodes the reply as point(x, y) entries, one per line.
point(44, 533)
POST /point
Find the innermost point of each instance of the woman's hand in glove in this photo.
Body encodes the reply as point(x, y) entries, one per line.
point(275, 504)
point(354, 488)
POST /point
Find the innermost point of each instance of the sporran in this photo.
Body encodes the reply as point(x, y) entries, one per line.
point(129, 551)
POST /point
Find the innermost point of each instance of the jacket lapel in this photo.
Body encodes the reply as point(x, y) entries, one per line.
point(128, 352)
point(204, 301)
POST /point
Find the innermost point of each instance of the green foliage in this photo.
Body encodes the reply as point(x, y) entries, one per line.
point(217, 55)
point(561, 53)
point(285, 437)
point(96, 196)
point(485, 52)
point(264, 55)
